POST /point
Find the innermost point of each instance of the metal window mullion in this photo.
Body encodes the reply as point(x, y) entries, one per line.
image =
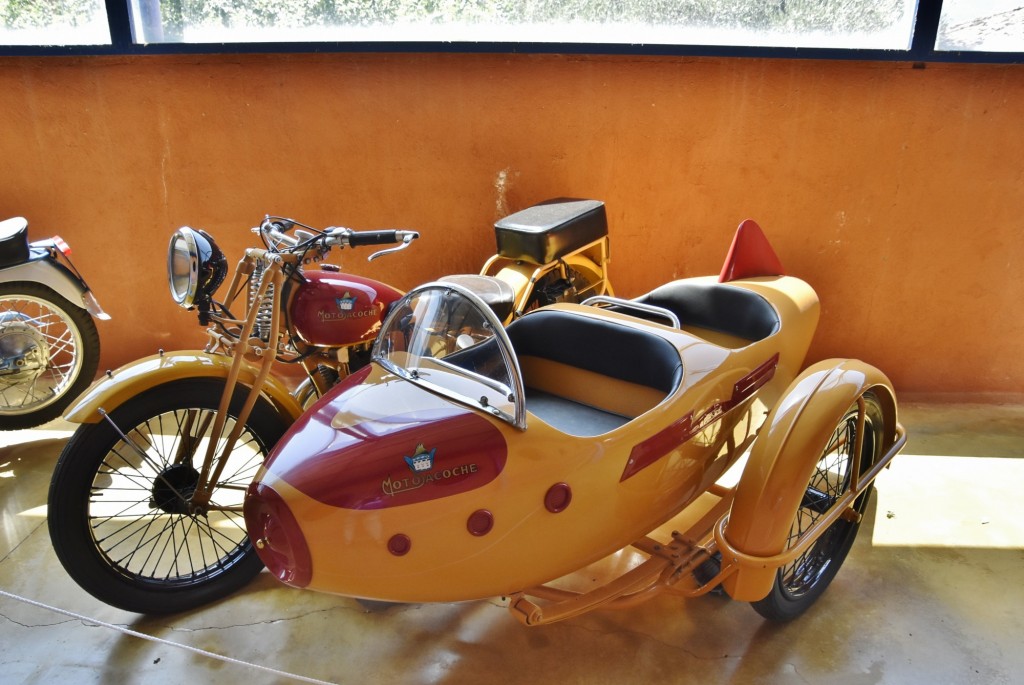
point(926, 29)
point(119, 20)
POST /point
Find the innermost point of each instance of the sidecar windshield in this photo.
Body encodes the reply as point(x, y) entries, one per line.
point(444, 338)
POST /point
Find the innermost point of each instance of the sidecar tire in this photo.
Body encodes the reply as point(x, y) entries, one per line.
point(798, 585)
point(84, 353)
point(208, 563)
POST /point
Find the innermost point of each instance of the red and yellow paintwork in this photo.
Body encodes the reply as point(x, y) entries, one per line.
point(498, 511)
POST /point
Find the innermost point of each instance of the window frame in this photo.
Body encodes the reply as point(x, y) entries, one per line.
point(922, 50)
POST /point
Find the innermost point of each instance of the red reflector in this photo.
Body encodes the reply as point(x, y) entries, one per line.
point(276, 535)
point(62, 246)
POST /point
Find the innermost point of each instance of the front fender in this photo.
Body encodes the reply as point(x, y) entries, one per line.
point(794, 435)
point(117, 387)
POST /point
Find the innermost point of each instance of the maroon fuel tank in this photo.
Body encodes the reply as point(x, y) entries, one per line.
point(333, 309)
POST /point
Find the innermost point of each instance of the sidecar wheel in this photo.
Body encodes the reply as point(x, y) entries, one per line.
point(120, 518)
point(799, 584)
point(49, 351)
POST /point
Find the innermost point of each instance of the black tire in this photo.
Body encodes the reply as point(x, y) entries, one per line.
point(799, 584)
point(125, 534)
point(35, 320)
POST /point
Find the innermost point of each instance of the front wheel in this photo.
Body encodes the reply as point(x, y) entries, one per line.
point(49, 350)
point(800, 583)
point(120, 513)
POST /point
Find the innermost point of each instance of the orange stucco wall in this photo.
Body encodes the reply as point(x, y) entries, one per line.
point(898, 193)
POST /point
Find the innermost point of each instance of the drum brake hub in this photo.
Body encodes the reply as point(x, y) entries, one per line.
point(24, 351)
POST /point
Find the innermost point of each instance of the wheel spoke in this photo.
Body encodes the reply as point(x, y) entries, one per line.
point(830, 480)
point(49, 337)
point(137, 525)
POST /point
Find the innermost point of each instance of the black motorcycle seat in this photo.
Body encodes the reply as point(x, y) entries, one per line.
point(495, 293)
point(551, 230)
point(13, 241)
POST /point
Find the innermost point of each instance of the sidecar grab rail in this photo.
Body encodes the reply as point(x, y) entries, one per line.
point(660, 312)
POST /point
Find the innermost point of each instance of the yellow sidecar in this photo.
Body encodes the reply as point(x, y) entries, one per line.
point(470, 460)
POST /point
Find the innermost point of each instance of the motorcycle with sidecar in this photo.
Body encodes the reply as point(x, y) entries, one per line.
point(471, 460)
point(145, 503)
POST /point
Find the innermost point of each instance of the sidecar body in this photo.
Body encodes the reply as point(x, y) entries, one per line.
point(470, 460)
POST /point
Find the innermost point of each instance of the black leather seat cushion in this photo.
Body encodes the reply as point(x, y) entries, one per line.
point(608, 348)
point(495, 293)
point(722, 308)
point(550, 230)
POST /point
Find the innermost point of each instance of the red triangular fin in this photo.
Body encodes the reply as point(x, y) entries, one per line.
point(750, 255)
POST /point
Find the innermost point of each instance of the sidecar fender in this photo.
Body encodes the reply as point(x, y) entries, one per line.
point(774, 479)
point(117, 387)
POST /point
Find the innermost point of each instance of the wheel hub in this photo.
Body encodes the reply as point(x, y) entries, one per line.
point(24, 352)
point(173, 489)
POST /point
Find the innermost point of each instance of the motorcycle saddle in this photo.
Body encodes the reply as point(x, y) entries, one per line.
point(13, 241)
point(495, 293)
point(550, 230)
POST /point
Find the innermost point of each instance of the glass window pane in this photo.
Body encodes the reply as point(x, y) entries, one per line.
point(882, 24)
point(53, 22)
point(981, 25)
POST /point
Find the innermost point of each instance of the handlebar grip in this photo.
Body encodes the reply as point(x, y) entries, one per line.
point(357, 239)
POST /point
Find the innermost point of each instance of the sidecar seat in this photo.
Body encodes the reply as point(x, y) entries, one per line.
point(716, 307)
point(586, 376)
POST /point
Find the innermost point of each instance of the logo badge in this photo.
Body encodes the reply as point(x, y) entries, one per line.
point(421, 460)
point(346, 303)
point(421, 463)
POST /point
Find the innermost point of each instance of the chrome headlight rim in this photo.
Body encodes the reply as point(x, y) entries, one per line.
point(204, 267)
point(183, 296)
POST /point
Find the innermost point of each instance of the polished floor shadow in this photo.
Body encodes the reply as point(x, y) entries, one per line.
point(931, 593)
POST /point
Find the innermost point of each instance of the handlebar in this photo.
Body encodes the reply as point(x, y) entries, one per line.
point(402, 238)
point(275, 231)
point(360, 238)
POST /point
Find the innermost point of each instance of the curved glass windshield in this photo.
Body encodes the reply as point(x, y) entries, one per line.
point(444, 338)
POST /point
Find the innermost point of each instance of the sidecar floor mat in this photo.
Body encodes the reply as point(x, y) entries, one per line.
point(571, 417)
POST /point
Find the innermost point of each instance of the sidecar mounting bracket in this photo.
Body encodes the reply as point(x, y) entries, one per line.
point(667, 565)
point(679, 566)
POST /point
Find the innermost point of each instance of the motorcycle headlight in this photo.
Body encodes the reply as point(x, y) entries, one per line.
point(195, 267)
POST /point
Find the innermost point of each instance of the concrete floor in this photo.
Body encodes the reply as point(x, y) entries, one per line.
point(931, 593)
